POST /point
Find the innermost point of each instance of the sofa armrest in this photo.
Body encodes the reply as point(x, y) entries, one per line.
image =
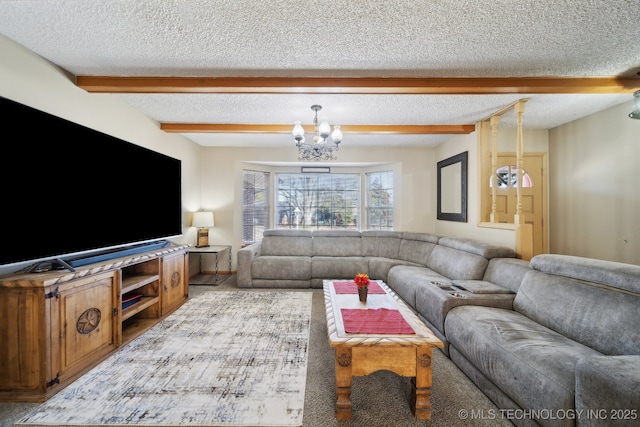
point(608, 390)
point(245, 258)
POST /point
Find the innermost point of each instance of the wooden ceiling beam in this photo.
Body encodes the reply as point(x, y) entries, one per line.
point(357, 85)
point(352, 129)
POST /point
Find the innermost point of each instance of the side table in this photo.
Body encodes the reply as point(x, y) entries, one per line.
point(214, 250)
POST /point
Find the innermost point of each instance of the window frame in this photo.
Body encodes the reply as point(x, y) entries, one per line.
point(265, 207)
point(370, 207)
point(312, 215)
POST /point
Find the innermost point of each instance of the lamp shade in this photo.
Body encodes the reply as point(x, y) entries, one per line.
point(202, 220)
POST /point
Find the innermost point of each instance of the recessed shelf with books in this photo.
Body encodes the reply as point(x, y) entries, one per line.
point(141, 279)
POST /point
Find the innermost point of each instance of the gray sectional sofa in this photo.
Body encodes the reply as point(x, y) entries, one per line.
point(554, 341)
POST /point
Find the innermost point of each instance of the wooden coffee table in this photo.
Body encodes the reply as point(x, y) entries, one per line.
point(407, 355)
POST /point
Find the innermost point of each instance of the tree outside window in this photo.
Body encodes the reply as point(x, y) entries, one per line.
point(317, 201)
point(380, 200)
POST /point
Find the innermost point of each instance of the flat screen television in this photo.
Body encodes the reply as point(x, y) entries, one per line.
point(69, 191)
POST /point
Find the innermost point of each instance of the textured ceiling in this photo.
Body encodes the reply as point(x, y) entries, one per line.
point(339, 38)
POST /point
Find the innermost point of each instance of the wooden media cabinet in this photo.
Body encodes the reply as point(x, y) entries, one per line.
point(56, 325)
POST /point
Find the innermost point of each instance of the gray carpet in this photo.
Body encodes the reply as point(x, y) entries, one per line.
point(380, 399)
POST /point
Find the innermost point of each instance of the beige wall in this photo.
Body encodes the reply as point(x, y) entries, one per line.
point(593, 176)
point(222, 184)
point(594, 166)
point(470, 229)
point(29, 79)
point(533, 140)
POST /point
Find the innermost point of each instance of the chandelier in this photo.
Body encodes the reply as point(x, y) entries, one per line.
point(321, 148)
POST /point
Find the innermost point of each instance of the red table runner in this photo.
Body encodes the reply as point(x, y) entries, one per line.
point(374, 321)
point(350, 287)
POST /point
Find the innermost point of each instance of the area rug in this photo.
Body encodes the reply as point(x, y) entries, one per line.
point(222, 359)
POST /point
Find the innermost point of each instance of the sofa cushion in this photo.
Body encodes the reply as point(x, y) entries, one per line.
point(407, 280)
point(281, 267)
point(618, 275)
point(601, 318)
point(435, 300)
point(378, 243)
point(608, 386)
point(506, 272)
point(416, 247)
point(342, 267)
point(490, 390)
point(457, 264)
point(477, 287)
point(379, 267)
point(286, 242)
point(337, 243)
point(531, 364)
point(483, 249)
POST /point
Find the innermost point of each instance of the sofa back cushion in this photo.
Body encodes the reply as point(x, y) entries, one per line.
point(378, 243)
point(287, 242)
point(416, 247)
point(337, 243)
point(483, 249)
point(605, 319)
point(456, 264)
point(608, 273)
point(507, 272)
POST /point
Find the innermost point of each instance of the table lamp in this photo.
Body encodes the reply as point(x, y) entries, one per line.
point(203, 221)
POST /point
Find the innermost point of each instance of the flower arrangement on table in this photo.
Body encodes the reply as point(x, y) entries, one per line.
point(362, 280)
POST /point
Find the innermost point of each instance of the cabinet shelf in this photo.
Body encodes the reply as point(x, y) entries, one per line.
point(133, 327)
point(145, 302)
point(134, 282)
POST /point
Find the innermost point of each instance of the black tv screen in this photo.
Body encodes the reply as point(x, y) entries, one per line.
point(68, 189)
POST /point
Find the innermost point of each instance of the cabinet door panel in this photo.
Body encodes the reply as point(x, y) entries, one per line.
point(87, 323)
point(21, 355)
point(174, 282)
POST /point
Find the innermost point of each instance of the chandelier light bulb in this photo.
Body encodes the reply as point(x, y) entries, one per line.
point(298, 131)
point(337, 134)
point(324, 130)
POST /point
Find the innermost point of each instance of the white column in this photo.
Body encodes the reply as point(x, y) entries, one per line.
point(519, 110)
point(494, 166)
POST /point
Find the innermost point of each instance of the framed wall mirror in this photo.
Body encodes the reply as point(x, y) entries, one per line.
point(452, 188)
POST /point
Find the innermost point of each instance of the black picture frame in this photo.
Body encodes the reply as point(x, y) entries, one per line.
point(455, 166)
